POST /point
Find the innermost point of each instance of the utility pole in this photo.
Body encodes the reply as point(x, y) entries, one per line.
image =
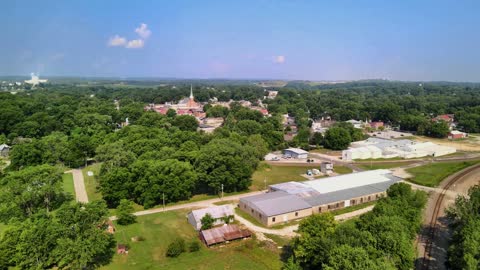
point(222, 192)
point(265, 182)
point(163, 197)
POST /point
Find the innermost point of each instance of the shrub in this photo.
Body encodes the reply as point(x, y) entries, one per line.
point(194, 246)
point(176, 248)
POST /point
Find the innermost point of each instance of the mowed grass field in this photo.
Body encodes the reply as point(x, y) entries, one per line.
point(431, 175)
point(389, 165)
point(279, 174)
point(91, 182)
point(68, 184)
point(159, 230)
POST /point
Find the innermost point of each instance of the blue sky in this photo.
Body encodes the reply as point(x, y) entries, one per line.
point(284, 39)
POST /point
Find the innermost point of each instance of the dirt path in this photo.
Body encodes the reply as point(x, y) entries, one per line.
point(438, 255)
point(79, 185)
point(204, 203)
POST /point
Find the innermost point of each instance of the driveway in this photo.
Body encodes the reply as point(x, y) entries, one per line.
point(79, 185)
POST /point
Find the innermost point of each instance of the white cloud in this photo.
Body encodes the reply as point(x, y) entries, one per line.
point(135, 44)
point(279, 59)
point(143, 31)
point(117, 41)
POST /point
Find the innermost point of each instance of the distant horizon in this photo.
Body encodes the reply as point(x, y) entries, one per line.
point(152, 78)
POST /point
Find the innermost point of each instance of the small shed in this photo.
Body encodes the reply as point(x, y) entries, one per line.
point(455, 134)
point(326, 167)
point(227, 232)
point(217, 212)
point(4, 150)
point(295, 153)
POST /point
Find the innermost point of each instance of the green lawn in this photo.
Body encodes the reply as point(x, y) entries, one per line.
point(68, 184)
point(162, 228)
point(279, 174)
point(342, 169)
point(432, 174)
point(389, 165)
point(91, 182)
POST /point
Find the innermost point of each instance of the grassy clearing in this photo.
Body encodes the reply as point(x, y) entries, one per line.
point(91, 182)
point(280, 174)
point(342, 169)
point(389, 165)
point(279, 240)
point(162, 228)
point(276, 174)
point(432, 174)
point(68, 183)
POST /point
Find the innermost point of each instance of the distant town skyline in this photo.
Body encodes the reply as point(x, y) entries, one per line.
point(290, 40)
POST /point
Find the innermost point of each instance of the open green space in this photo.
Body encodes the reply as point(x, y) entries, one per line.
point(91, 182)
point(68, 183)
point(432, 174)
point(162, 228)
point(279, 240)
point(389, 165)
point(274, 174)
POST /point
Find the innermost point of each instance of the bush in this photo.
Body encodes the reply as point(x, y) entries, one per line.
point(176, 248)
point(194, 246)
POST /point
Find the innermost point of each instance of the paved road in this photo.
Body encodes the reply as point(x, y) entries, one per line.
point(79, 184)
point(442, 234)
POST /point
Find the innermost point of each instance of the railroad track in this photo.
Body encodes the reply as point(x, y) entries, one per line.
point(436, 211)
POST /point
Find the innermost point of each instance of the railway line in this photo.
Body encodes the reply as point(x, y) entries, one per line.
point(425, 263)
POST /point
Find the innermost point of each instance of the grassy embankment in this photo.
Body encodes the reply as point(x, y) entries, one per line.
point(162, 228)
point(68, 183)
point(432, 174)
point(389, 165)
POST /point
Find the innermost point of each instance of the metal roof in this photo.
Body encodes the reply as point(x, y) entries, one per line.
point(275, 203)
point(297, 151)
point(348, 194)
point(224, 233)
point(215, 211)
point(347, 181)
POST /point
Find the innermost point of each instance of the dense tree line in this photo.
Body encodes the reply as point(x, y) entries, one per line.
point(160, 160)
point(464, 251)
point(45, 229)
point(380, 239)
point(407, 105)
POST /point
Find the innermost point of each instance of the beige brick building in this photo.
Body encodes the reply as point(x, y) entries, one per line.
point(294, 200)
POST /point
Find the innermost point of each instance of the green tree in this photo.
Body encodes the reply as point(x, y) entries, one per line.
point(26, 192)
point(125, 213)
point(176, 248)
point(337, 138)
point(207, 221)
point(185, 122)
point(223, 161)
